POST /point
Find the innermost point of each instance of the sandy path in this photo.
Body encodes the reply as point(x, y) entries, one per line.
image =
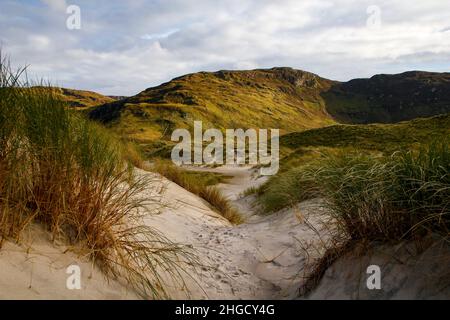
point(267, 257)
point(260, 259)
point(242, 178)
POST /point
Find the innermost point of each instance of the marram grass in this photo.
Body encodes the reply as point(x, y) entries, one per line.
point(376, 198)
point(73, 177)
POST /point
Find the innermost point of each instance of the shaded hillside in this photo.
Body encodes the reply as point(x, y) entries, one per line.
point(301, 147)
point(389, 98)
point(80, 99)
point(284, 98)
point(371, 136)
point(338, 144)
point(281, 98)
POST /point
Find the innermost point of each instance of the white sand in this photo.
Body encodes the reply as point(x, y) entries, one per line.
point(264, 258)
point(260, 259)
point(38, 271)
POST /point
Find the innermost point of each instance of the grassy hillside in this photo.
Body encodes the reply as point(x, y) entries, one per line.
point(281, 98)
point(79, 99)
point(384, 138)
point(301, 149)
point(284, 98)
point(389, 98)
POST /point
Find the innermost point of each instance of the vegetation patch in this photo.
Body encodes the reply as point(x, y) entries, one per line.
point(202, 185)
point(74, 178)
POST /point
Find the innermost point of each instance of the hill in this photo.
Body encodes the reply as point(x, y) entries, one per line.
point(285, 98)
point(389, 98)
point(371, 136)
point(301, 147)
point(281, 98)
point(80, 99)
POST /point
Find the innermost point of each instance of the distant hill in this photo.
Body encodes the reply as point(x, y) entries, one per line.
point(301, 147)
point(281, 98)
point(80, 99)
point(285, 98)
point(389, 98)
point(372, 136)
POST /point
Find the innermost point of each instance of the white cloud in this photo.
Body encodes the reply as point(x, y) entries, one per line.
point(125, 47)
point(39, 42)
point(59, 5)
point(162, 35)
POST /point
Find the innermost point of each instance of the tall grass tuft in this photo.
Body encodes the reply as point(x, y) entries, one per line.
point(406, 195)
point(75, 179)
point(375, 198)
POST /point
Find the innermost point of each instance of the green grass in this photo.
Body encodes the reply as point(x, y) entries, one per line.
point(406, 195)
point(384, 137)
point(375, 198)
point(74, 178)
point(226, 99)
point(313, 146)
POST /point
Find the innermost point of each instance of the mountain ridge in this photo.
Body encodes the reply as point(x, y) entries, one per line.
point(281, 97)
point(224, 99)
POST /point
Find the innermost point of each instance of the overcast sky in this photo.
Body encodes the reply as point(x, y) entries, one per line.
point(123, 47)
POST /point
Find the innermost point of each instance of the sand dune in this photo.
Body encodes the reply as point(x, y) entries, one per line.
point(38, 270)
point(267, 257)
point(259, 259)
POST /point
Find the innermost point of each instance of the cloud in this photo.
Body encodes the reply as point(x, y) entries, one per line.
point(39, 42)
point(125, 47)
point(58, 5)
point(157, 36)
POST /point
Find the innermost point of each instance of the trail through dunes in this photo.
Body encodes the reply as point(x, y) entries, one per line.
point(266, 257)
point(263, 258)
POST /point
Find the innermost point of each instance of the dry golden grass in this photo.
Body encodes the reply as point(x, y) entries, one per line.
point(209, 193)
point(76, 180)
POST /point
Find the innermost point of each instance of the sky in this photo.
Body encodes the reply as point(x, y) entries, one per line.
point(120, 47)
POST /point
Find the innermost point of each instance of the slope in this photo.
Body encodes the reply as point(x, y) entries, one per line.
point(80, 99)
point(281, 98)
point(389, 98)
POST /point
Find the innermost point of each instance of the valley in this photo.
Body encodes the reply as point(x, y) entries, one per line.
point(232, 233)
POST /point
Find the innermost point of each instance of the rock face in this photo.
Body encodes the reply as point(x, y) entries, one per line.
point(406, 273)
point(298, 78)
